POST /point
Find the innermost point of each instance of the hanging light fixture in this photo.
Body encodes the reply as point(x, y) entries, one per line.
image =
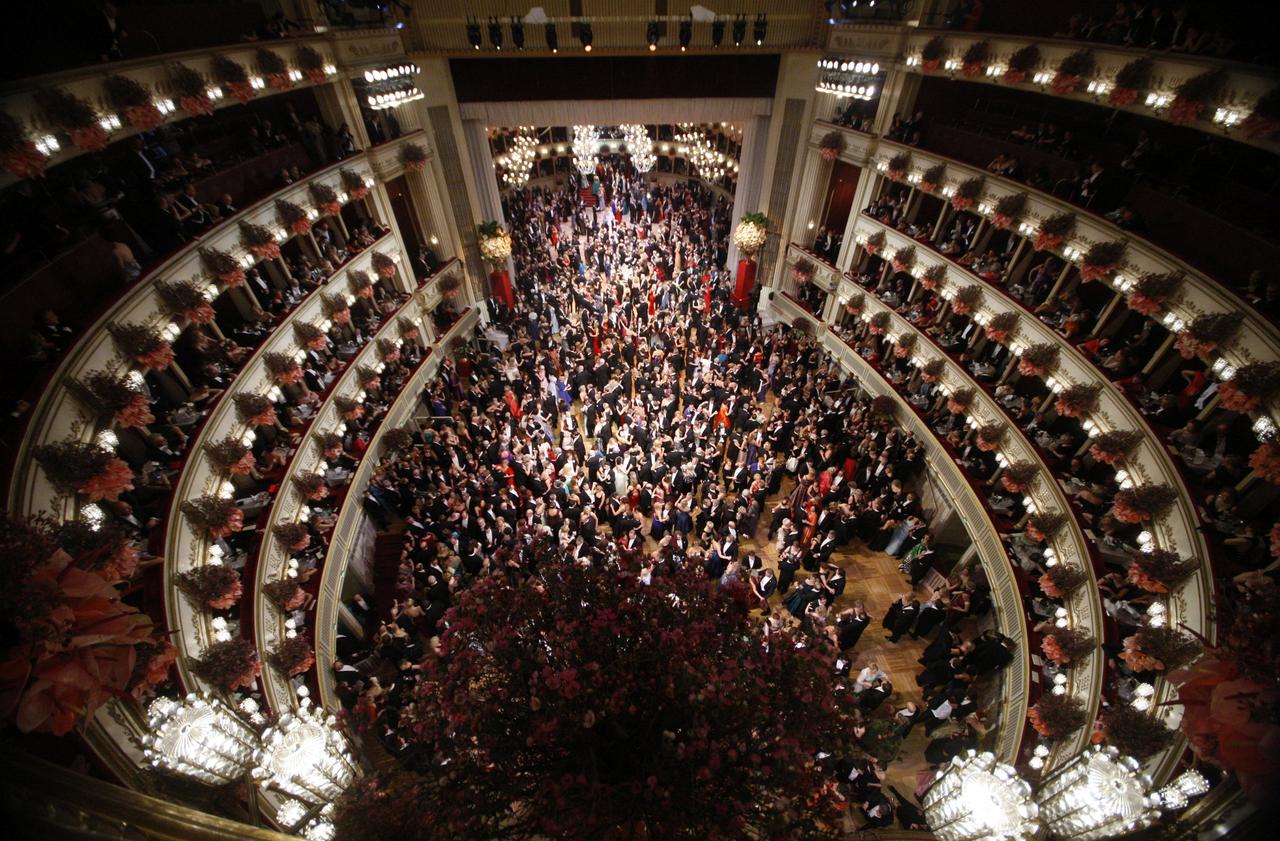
point(639, 146)
point(199, 737)
point(305, 756)
point(976, 797)
point(518, 162)
point(586, 145)
point(1098, 794)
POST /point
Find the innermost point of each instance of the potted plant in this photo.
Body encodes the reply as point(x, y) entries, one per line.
point(397, 438)
point(831, 145)
point(931, 54)
point(933, 369)
point(1250, 387)
point(354, 184)
point(989, 435)
point(875, 242)
point(934, 276)
point(361, 283)
point(904, 259)
point(1195, 95)
point(1134, 733)
point(1043, 526)
point(897, 167)
point(311, 63)
point(285, 594)
point(284, 369)
point(974, 61)
point(966, 299)
point(311, 486)
point(385, 267)
point(193, 94)
point(1265, 461)
point(884, 406)
point(310, 335)
point(223, 266)
point(1206, 333)
point(273, 68)
point(413, 157)
point(878, 323)
point(932, 177)
point(1162, 649)
point(960, 399)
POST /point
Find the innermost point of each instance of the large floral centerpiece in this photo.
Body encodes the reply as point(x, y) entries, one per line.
point(988, 436)
point(292, 216)
point(1021, 63)
point(212, 586)
point(1077, 399)
point(931, 54)
point(229, 665)
point(495, 243)
point(259, 240)
point(193, 94)
point(274, 68)
point(1008, 210)
point(967, 193)
point(1067, 646)
point(255, 409)
point(186, 299)
point(223, 266)
point(1112, 447)
point(1159, 570)
point(1195, 95)
point(326, 198)
point(232, 76)
point(413, 157)
point(974, 60)
point(293, 656)
point(966, 299)
point(283, 368)
point(1002, 325)
point(1130, 80)
point(1038, 359)
point(1018, 476)
point(1161, 649)
point(1060, 581)
point(751, 233)
point(354, 184)
point(310, 62)
point(1071, 72)
point(216, 516)
point(831, 145)
point(1042, 527)
point(231, 455)
point(932, 177)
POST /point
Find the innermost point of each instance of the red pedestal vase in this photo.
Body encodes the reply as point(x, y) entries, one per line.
point(500, 280)
point(746, 282)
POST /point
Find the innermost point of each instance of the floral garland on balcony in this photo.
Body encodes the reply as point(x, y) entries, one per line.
point(884, 406)
point(326, 198)
point(285, 594)
point(18, 154)
point(1195, 95)
point(1038, 359)
point(259, 240)
point(354, 184)
point(1143, 503)
point(361, 283)
point(310, 335)
point(1059, 582)
point(293, 216)
point(143, 344)
point(413, 157)
point(398, 438)
point(336, 308)
point(902, 348)
point(1112, 447)
point(1067, 646)
point(185, 299)
point(350, 408)
point(974, 61)
point(1250, 387)
point(1071, 71)
point(284, 369)
point(73, 115)
point(310, 62)
point(232, 77)
point(132, 99)
point(1101, 260)
point(229, 665)
point(216, 587)
point(831, 145)
point(1054, 230)
point(231, 455)
point(214, 515)
point(408, 330)
point(989, 436)
point(79, 467)
point(388, 350)
point(1008, 210)
point(1042, 527)
point(1018, 476)
point(1150, 293)
point(904, 259)
point(108, 394)
point(222, 266)
point(932, 177)
point(1001, 326)
point(1056, 716)
point(368, 378)
point(1132, 732)
point(293, 656)
point(274, 68)
point(1263, 123)
point(1159, 570)
point(193, 95)
point(1130, 80)
point(802, 272)
point(966, 195)
point(255, 410)
point(878, 323)
point(1266, 461)
point(897, 166)
point(931, 54)
point(1076, 400)
point(1021, 63)
point(1206, 333)
point(933, 276)
point(960, 399)
point(383, 265)
point(966, 299)
point(875, 242)
point(1160, 650)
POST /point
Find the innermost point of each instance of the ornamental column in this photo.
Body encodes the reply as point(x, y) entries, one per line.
point(815, 175)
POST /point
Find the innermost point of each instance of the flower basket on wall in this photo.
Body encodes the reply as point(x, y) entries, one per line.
point(933, 276)
point(831, 145)
point(1112, 447)
point(905, 343)
point(1008, 210)
point(1265, 461)
point(336, 308)
point(78, 467)
point(1133, 732)
point(1130, 80)
point(255, 409)
point(1150, 293)
point(233, 78)
point(989, 436)
point(1162, 649)
point(143, 344)
point(932, 370)
point(1251, 386)
point(259, 241)
point(1038, 359)
point(384, 266)
point(73, 116)
point(223, 266)
point(897, 168)
point(884, 406)
point(1071, 72)
point(1054, 231)
point(284, 369)
point(216, 587)
point(974, 60)
point(879, 323)
point(413, 157)
point(1057, 716)
point(1143, 503)
point(408, 330)
point(185, 300)
point(1196, 95)
point(1206, 333)
point(388, 350)
point(1017, 477)
point(292, 216)
point(326, 198)
point(18, 154)
point(960, 399)
point(310, 62)
point(1076, 400)
point(966, 299)
point(231, 455)
point(310, 335)
point(967, 193)
point(329, 444)
point(132, 100)
point(116, 397)
point(398, 438)
point(932, 177)
point(1067, 646)
point(904, 259)
point(228, 665)
point(293, 656)
point(1263, 123)
point(1061, 581)
point(931, 54)
point(1001, 326)
point(802, 272)
point(216, 516)
point(368, 378)
point(855, 303)
point(274, 69)
point(354, 184)
point(1101, 260)
point(1160, 571)
point(193, 96)
point(1042, 527)
point(875, 242)
point(1021, 63)
point(285, 594)
point(361, 284)
point(350, 408)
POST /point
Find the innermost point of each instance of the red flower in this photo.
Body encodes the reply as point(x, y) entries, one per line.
point(229, 598)
point(1090, 272)
point(266, 251)
point(1001, 222)
point(1064, 83)
point(157, 359)
point(997, 336)
point(971, 69)
point(1120, 97)
point(1013, 77)
point(196, 106)
point(113, 481)
point(136, 414)
point(235, 521)
point(279, 81)
point(242, 91)
point(1233, 398)
point(1189, 347)
point(290, 376)
point(357, 193)
point(928, 186)
point(1147, 305)
point(961, 202)
point(267, 418)
point(1029, 369)
point(200, 314)
point(233, 278)
point(829, 153)
point(931, 65)
point(961, 308)
point(1183, 111)
point(1047, 242)
point(300, 226)
point(1266, 461)
point(91, 138)
point(244, 466)
point(145, 117)
point(342, 316)
point(23, 160)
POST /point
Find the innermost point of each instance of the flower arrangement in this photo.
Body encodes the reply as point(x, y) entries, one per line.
point(1263, 123)
point(231, 455)
point(966, 195)
point(310, 335)
point(1151, 291)
point(329, 444)
point(233, 78)
point(185, 299)
point(336, 308)
point(931, 54)
point(255, 409)
point(960, 399)
point(1002, 325)
point(904, 259)
point(143, 344)
point(932, 370)
point(361, 283)
point(1076, 400)
point(368, 378)
point(1194, 95)
point(1130, 79)
point(18, 155)
point(350, 408)
point(152, 663)
point(293, 536)
point(495, 243)
point(398, 438)
point(1133, 732)
point(311, 486)
point(1159, 571)
point(875, 242)
point(1266, 461)
point(878, 323)
point(855, 303)
point(1021, 63)
point(1067, 646)
point(1008, 210)
point(933, 276)
point(1143, 503)
point(882, 405)
point(385, 267)
point(1061, 581)
point(293, 656)
point(229, 665)
point(1252, 385)
point(310, 62)
point(73, 115)
point(274, 69)
point(1112, 447)
point(897, 168)
point(389, 351)
point(1207, 333)
point(79, 467)
point(831, 145)
point(214, 586)
point(293, 217)
point(751, 232)
point(408, 330)
point(1101, 260)
point(449, 286)
point(223, 266)
point(108, 394)
point(285, 594)
point(260, 241)
point(354, 184)
point(989, 436)
point(132, 100)
point(1162, 649)
point(902, 348)
point(1071, 70)
point(1041, 527)
point(216, 516)
point(932, 177)
point(975, 59)
point(413, 157)
point(802, 272)
point(1018, 476)
point(1038, 359)
point(966, 299)
point(284, 369)
point(1054, 230)
point(190, 87)
point(1056, 716)
point(326, 198)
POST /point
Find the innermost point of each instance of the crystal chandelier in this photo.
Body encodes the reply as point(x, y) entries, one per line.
point(586, 145)
point(1098, 794)
point(199, 737)
point(518, 162)
point(977, 797)
point(305, 756)
point(639, 146)
point(312, 823)
point(1178, 792)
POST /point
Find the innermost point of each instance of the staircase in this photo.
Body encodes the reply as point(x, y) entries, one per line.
point(588, 197)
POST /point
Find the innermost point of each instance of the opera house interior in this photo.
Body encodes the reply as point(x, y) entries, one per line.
point(626, 420)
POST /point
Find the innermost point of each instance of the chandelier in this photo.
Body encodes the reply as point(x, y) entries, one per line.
point(586, 145)
point(518, 162)
point(199, 737)
point(639, 146)
point(977, 797)
point(1098, 794)
point(305, 756)
point(711, 164)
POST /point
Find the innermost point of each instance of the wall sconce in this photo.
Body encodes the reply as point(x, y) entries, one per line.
point(1157, 101)
point(1226, 117)
point(1042, 77)
point(1099, 88)
point(995, 70)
